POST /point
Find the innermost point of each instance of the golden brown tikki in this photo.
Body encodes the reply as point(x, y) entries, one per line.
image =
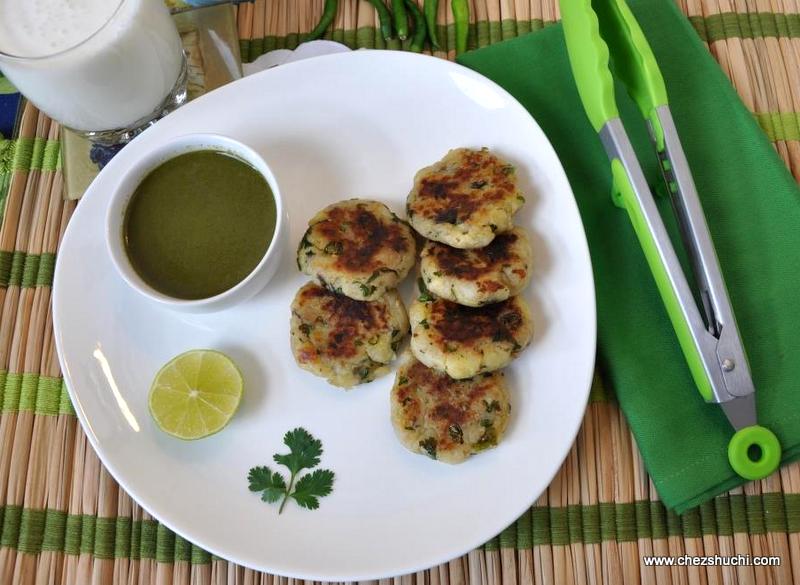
point(465, 199)
point(358, 248)
point(448, 419)
point(480, 276)
point(347, 342)
point(465, 341)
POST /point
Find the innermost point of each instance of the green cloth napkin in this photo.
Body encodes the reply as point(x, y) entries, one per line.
point(753, 209)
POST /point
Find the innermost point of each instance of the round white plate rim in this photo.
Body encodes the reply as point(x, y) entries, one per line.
point(434, 559)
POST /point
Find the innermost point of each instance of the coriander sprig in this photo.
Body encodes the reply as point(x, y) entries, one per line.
point(304, 453)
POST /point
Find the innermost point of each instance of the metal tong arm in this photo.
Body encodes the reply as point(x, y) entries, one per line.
point(730, 356)
point(594, 30)
point(700, 344)
point(632, 193)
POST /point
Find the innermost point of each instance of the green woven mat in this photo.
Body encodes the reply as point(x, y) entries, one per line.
point(64, 520)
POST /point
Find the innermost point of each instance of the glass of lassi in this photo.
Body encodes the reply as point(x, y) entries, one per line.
point(104, 68)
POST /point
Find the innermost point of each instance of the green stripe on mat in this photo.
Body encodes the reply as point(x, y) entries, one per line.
point(559, 526)
point(708, 522)
point(524, 537)
point(7, 148)
point(6, 154)
point(23, 150)
point(24, 154)
point(746, 25)
point(26, 270)
point(590, 530)
point(480, 34)
point(710, 28)
point(33, 531)
point(43, 395)
point(780, 125)
point(5, 85)
point(599, 392)
point(769, 513)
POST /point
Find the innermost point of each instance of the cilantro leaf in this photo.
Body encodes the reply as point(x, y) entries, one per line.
point(312, 486)
point(271, 485)
point(378, 272)
point(367, 290)
point(425, 295)
point(305, 451)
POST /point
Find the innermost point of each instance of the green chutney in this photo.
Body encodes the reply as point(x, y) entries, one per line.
point(199, 224)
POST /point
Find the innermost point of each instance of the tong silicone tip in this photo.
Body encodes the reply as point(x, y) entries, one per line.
point(754, 452)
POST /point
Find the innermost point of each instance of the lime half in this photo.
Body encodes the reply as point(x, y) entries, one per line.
point(195, 394)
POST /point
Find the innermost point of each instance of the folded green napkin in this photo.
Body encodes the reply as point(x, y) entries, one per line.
point(753, 209)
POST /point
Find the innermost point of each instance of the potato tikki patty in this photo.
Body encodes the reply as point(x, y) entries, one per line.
point(448, 419)
point(345, 341)
point(358, 248)
point(465, 199)
point(466, 341)
point(481, 276)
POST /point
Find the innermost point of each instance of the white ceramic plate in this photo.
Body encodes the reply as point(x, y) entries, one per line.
point(350, 125)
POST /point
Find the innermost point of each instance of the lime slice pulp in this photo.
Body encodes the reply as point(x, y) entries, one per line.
point(196, 394)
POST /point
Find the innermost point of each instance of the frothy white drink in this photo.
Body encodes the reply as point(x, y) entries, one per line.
point(93, 65)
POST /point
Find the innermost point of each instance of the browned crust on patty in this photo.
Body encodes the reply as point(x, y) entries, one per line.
point(469, 326)
point(475, 263)
point(452, 195)
point(451, 397)
point(347, 322)
point(448, 419)
point(364, 235)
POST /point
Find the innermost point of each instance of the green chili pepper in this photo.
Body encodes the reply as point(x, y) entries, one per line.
point(400, 18)
point(420, 30)
point(328, 13)
point(385, 17)
point(431, 8)
point(461, 19)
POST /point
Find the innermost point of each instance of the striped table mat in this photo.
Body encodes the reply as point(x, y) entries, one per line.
point(63, 519)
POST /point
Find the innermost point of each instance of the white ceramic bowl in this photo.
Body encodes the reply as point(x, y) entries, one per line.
point(118, 203)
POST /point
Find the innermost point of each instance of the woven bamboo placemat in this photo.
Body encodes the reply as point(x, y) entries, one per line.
point(63, 519)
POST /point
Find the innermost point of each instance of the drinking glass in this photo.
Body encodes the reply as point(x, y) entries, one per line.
point(106, 69)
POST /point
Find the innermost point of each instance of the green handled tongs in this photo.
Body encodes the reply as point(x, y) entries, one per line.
point(713, 348)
